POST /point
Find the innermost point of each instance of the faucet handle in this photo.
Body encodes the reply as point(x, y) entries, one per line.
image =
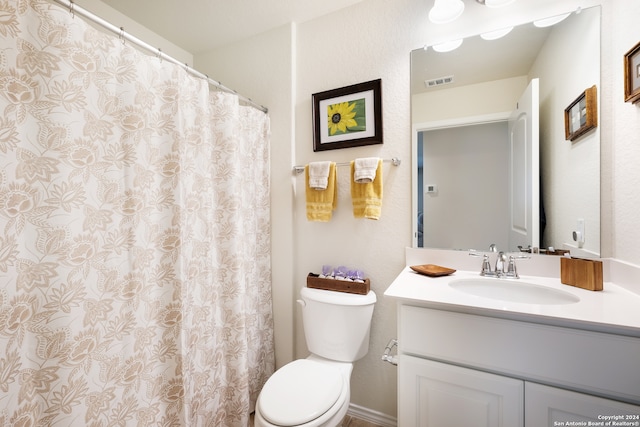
point(486, 266)
point(474, 253)
point(512, 271)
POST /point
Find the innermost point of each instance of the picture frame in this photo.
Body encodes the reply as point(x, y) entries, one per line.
point(632, 74)
point(582, 114)
point(350, 116)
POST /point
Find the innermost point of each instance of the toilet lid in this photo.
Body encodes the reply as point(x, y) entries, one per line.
point(300, 392)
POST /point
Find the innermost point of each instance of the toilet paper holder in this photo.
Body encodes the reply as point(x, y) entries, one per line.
point(386, 356)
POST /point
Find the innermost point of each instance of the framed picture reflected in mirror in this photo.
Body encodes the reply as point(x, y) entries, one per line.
point(582, 114)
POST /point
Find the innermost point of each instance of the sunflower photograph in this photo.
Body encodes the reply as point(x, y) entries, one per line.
point(348, 117)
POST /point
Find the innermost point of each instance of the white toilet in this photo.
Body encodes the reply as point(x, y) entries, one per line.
point(315, 391)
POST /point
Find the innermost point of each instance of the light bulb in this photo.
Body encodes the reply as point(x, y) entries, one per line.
point(447, 46)
point(494, 35)
point(541, 23)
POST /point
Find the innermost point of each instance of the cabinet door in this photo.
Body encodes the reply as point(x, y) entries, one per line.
point(433, 394)
point(550, 406)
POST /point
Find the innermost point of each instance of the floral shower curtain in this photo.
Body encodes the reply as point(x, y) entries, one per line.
point(134, 234)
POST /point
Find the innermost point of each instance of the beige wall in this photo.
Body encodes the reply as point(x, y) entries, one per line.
point(622, 154)
point(371, 40)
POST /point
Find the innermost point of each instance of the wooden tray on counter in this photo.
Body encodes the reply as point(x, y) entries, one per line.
point(432, 270)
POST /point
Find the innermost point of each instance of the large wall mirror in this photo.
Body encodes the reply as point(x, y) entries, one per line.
point(482, 174)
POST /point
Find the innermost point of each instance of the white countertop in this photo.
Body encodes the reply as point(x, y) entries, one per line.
point(612, 310)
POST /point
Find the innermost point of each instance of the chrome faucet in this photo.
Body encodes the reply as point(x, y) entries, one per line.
point(505, 266)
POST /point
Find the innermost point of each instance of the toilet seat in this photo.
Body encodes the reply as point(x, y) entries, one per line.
point(300, 392)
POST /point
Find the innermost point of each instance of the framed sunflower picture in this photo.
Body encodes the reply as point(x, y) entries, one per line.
point(348, 117)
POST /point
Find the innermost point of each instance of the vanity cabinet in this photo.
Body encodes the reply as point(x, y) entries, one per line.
point(468, 369)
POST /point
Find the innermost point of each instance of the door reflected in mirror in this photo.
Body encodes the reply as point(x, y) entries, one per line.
point(466, 186)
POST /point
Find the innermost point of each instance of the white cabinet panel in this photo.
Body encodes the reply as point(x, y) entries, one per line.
point(549, 406)
point(433, 394)
point(545, 354)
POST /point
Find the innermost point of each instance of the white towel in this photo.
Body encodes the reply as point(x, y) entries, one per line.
point(365, 169)
point(319, 175)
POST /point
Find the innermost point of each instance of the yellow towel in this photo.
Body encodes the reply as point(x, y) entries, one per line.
point(367, 197)
point(321, 203)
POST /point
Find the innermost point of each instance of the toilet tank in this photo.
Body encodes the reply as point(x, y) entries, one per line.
point(337, 324)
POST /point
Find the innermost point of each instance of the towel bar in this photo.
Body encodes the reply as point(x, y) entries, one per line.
point(394, 161)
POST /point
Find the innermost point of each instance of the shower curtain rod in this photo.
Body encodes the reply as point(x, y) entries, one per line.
point(75, 9)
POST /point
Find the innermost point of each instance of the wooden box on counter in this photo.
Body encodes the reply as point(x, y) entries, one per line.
point(348, 286)
point(582, 273)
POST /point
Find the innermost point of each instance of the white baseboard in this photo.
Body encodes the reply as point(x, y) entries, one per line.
point(372, 416)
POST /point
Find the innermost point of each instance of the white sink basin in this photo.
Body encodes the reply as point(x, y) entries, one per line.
point(513, 290)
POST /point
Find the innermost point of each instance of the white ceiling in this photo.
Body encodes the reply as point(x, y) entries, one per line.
point(201, 25)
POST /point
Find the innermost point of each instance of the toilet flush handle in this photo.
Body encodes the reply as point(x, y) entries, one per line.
point(301, 302)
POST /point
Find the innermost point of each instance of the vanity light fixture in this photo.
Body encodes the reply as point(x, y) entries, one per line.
point(444, 11)
point(495, 35)
point(447, 46)
point(541, 23)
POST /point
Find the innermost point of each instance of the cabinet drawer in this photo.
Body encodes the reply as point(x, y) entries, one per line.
point(599, 363)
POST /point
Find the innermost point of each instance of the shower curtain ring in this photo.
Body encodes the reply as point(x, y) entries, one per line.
point(122, 35)
point(71, 11)
point(160, 54)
